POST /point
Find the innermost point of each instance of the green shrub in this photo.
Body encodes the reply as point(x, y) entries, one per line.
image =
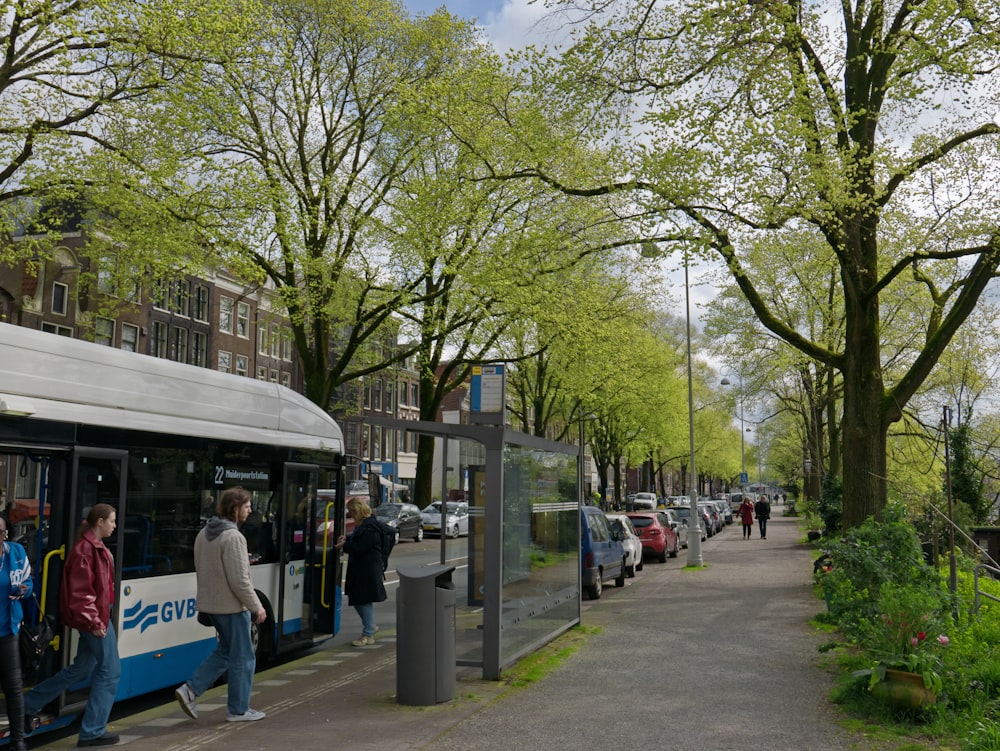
point(985, 737)
point(869, 556)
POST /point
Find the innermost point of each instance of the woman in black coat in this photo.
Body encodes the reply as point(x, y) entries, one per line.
point(363, 586)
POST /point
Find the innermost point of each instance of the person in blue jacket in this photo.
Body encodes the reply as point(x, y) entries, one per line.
point(15, 585)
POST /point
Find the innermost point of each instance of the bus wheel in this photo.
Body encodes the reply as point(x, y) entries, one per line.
point(262, 634)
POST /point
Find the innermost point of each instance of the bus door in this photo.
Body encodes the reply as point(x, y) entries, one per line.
point(325, 569)
point(98, 476)
point(297, 530)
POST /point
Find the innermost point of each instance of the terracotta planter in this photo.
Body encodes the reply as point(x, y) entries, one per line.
point(904, 690)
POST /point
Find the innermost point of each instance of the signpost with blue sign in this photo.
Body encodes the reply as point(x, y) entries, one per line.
point(488, 395)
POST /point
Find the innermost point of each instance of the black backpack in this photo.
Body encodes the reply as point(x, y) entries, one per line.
point(386, 542)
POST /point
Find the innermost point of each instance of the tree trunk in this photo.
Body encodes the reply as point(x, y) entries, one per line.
point(422, 491)
point(617, 470)
point(863, 430)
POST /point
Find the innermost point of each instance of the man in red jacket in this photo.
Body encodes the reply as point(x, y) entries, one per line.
point(85, 600)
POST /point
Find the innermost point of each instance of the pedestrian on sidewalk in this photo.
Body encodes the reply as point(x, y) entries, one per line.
point(226, 595)
point(15, 584)
point(745, 513)
point(86, 597)
point(762, 510)
point(363, 583)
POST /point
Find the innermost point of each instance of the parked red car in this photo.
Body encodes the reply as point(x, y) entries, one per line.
point(657, 537)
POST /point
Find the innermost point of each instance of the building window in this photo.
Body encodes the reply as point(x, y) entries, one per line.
point(116, 282)
point(286, 380)
point(377, 396)
point(243, 320)
point(201, 303)
point(178, 344)
point(199, 349)
point(275, 343)
point(261, 372)
point(226, 315)
point(366, 434)
point(181, 303)
point(261, 340)
point(402, 395)
point(376, 453)
point(414, 395)
point(104, 332)
point(55, 328)
point(366, 396)
point(225, 361)
point(60, 294)
point(388, 396)
point(130, 337)
point(286, 345)
point(274, 376)
point(160, 291)
point(351, 439)
point(158, 343)
point(242, 365)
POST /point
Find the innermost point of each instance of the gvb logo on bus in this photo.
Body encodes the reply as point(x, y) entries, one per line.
point(142, 616)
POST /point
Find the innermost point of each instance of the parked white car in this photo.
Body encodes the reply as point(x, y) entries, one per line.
point(456, 518)
point(644, 502)
point(630, 541)
point(679, 526)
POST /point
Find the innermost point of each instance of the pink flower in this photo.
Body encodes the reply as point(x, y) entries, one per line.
point(914, 641)
point(942, 639)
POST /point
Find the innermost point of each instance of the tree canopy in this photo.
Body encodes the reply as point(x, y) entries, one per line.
point(860, 124)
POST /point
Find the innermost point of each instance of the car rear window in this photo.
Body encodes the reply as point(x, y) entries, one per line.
point(639, 522)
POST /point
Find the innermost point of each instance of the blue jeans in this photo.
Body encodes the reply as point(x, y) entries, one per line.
point(762, 523)
point(233, 654)
point(367, 613)
point(98, 658)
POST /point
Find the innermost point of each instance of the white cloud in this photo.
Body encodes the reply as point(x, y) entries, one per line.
point(519, 23)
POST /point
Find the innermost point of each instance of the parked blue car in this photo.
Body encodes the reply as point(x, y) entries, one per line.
point(601, 552)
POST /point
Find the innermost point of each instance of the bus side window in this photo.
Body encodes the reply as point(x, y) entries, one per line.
point(138, 558)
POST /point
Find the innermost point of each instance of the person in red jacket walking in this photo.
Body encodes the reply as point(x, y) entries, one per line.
point(85, 600)
point(745, 512)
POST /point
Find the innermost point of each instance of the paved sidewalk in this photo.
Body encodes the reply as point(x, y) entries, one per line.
point(717, 659)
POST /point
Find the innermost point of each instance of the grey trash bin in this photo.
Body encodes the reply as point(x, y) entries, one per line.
point(425, 635)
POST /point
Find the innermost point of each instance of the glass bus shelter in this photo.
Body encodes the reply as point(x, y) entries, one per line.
point(522, 587)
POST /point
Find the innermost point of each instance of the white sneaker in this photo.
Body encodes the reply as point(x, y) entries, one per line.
point(186, 698)
point(251, 715)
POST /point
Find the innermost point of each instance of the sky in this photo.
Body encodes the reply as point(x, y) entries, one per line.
point(508, 24)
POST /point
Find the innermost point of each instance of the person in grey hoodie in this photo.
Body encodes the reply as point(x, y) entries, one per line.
point(226, 595)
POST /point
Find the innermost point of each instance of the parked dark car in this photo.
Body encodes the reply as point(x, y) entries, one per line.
point(658, 538)
point(684, 512)
point(713, 521)
point(602, 554)
point(405, 517)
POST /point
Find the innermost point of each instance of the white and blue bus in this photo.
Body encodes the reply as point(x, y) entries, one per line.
point(82, 424)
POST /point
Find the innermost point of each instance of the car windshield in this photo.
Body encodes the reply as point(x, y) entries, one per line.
point(357, 487)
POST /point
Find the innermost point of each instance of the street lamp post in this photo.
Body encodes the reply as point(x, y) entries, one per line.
point(650, 250)
point(694, 543)
point(743, 453)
